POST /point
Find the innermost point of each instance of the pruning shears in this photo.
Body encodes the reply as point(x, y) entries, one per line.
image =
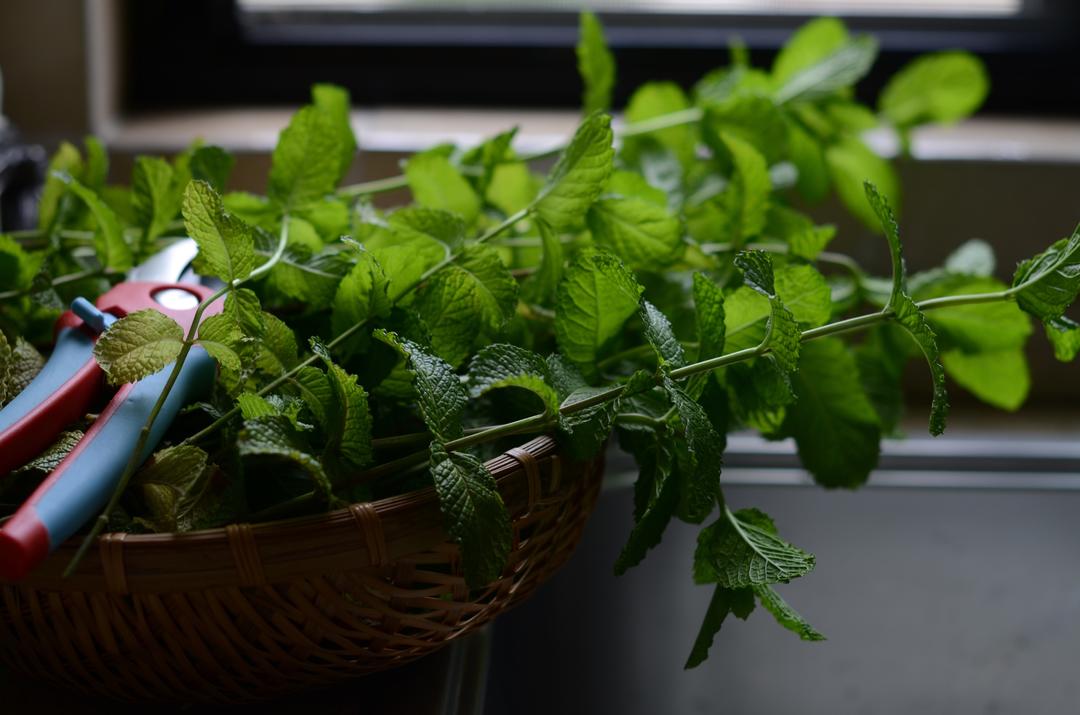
point(71, 382)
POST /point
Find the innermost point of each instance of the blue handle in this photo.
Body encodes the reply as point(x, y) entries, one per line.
point(80, 485)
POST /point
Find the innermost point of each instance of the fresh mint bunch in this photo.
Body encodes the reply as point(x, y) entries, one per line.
point(655, 282)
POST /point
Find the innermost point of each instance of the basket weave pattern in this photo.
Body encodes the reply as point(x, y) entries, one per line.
point(251, 612)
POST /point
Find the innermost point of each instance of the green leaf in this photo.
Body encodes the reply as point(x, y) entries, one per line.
point(579, 176)
point(656, 494)
point(276, 437)
point(155, 197)
point(64, 163)
point(596, 65)
point(980, 327)
point(55, 453)
point(467, 303)
point(595, 298)
point(973, 258)
point(701, 491)
point(361, 295)
point(307, 162)
point(220, 336)
point(314, 388)
point(754, 119)
point(661, 336)
point(743, 548)
point(914, 322)
point(170, 485)
point(543, 285)
point(782, 334)
point(277, 348)
point(252, 407)
point(724, 601)
point(348, 422)
point(585, 432)
point(880, 360)
point(243, 308)
point(1064, 337)
point(937, 87)
point(17, 267)
point(656, 99)
point(333, 102)
point(1048, 283)
point(473, 512)
point(440, 394)
point(306, 271)
point(839, 70)
point(808, 156)
point(785, 615)
point(811, 43)
point(489, 156)
point(109, 244)
point(833, 422)
point(851, 164)
point(213, 165)
point(745, 201)
point(435, 183)
point(709, 307)
point(19, 365)
point(643, 234)
point(998, 378)
point(226, 243)
point(502, 365)
point(880, 206)
point(138, 345)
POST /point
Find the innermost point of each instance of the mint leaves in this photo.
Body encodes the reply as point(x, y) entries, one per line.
point(226, 243)
point(595, 64)
point(579, 176)
point(138, 345)
point(596, 297)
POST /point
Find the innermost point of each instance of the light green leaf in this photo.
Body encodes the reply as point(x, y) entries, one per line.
point(333, 102)
point(473, 512)
point(489, 156)
point(724, 601)
point(243, 308)
point(655, 99)
point(833, 422)
point(307, 162)
point(220, 336)
point(785, 615)
point(467, 302)
point(138, 345)
point(999, 378)
point(109, 244)
point(226, 243)
point(542, 286)
point(937, 87)
point(661, 336)
point(743, 549)
point(596, 65)
point(744, 203)
point(851, 164)
point(840, 69)
point(973, 258)
point(810, 44)
point(435, 183)
point(306, 271)
point(441, 396)
point(808, 156)
point(643, 234)
point(1064, 337)
point(252, 407)
point(754, 119)
point(595, 298)
point(361, 295)
point(155, 197)
point(579, 176)
point(981, 327)
point(502, 365)
point(65, 162)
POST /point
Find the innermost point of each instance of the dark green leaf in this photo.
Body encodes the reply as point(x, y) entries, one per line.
point(440, 394)
point(785, 615)
point(724, 601)
point(502, 365)
point(659, 334)
point(743, 548)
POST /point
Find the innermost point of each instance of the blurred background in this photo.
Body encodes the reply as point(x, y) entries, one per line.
point(962, 550)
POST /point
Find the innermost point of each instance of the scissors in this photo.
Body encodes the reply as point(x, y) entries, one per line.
point(71, 382)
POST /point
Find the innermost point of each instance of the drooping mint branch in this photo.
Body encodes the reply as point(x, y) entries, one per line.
point(135, 459)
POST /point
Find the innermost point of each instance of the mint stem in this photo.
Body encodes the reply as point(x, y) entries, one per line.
point(144, 434)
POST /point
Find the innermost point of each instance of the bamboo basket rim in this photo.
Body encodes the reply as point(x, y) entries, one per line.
point(376, 533)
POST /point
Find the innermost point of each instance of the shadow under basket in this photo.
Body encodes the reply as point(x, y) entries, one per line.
point(251, 612)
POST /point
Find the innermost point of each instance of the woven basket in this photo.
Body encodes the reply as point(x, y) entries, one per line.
point(251, 612)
